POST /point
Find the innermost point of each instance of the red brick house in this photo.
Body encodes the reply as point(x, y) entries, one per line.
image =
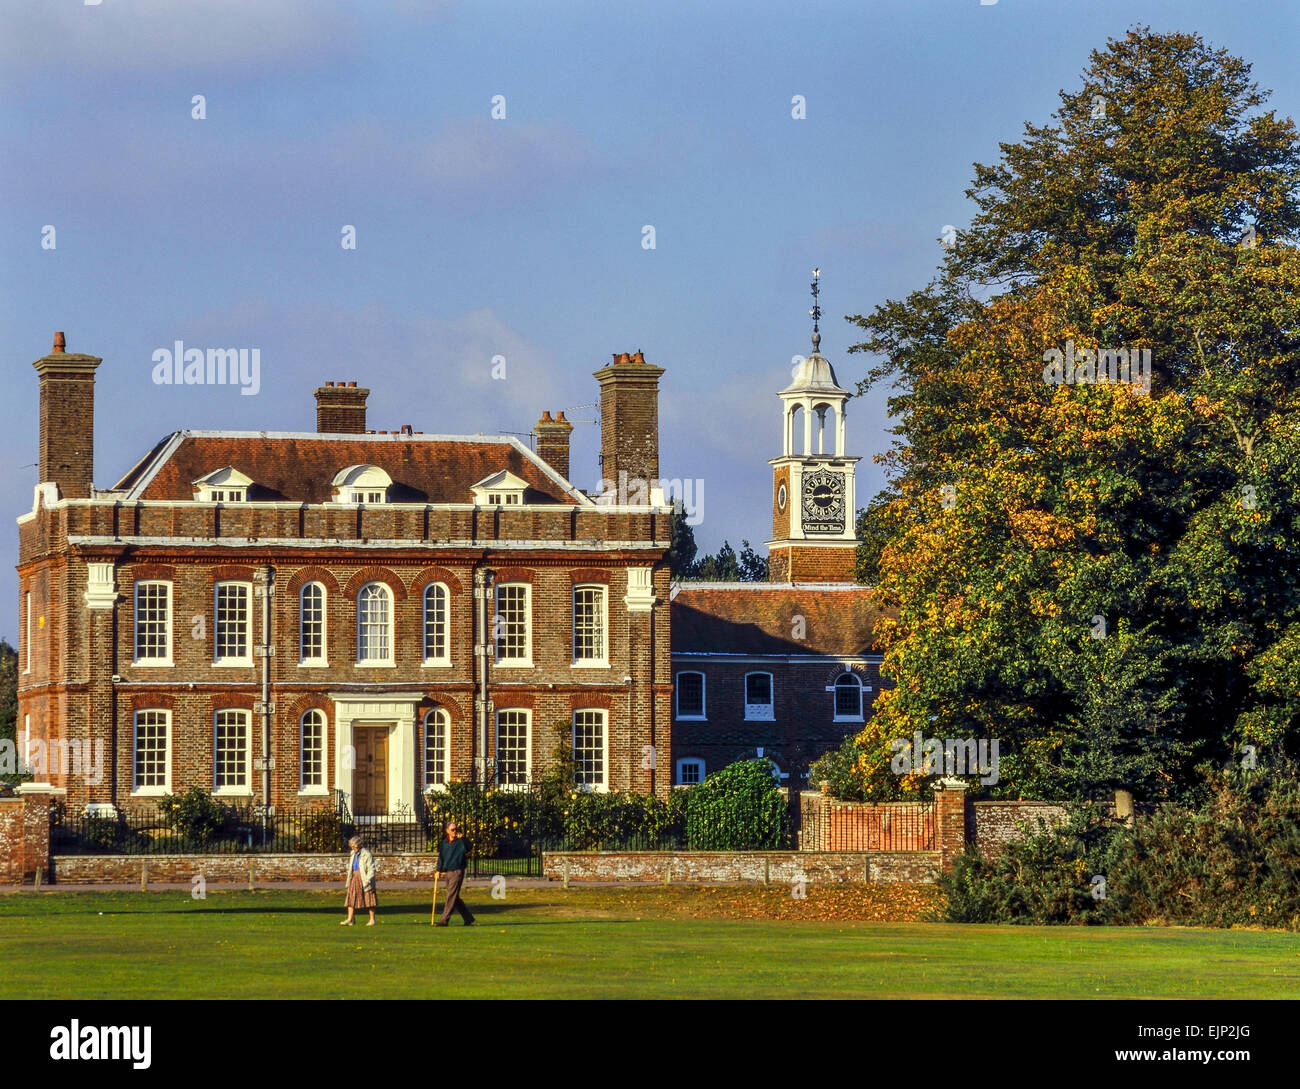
point(277, 616)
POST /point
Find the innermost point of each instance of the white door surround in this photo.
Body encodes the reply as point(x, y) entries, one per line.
point(397, 710)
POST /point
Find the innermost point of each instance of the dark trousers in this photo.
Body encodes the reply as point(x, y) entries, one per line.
point(454, 902)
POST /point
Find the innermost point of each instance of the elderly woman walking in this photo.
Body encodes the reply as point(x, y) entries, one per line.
point(361, 882)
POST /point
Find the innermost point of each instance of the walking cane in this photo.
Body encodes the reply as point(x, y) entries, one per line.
point(433, 914)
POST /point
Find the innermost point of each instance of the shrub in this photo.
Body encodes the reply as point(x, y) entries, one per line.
point(101, 834)
point(321, 830)
point(1230, 861)
point(194, 814)
point(737, 809)
point(1043, 878)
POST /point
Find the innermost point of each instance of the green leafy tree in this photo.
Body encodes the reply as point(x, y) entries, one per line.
point(1100, 575)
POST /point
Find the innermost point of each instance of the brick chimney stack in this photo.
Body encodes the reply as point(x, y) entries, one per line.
point(629, 424)
point(67, 442)
point(341, 409)
point(553, 441)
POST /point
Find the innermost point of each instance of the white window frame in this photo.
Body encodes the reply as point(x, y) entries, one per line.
point(386, 592)
point(305, 787)
point(526, 661)
point(27, 636)
point(433, 589)
point(431, 715)
point(681, 763)
point(601, 785)
point(153, 790)
point(833, 689)
point(240, 660)
point(760, 712)
point(600, 661)
point(316, 661)
point(703, 716)
point(528, 747)
point(247, 788)
point(166, 658)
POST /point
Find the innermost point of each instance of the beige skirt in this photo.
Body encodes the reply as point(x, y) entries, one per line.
point(358, 895)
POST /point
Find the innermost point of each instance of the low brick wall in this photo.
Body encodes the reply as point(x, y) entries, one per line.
point(757, 867)
point(174, 869)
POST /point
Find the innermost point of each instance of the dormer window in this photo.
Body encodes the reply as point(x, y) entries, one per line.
point(362, 484)
point(502, 489)
point(226, 485)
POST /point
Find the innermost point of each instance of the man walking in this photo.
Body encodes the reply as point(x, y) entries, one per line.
point(451, 861)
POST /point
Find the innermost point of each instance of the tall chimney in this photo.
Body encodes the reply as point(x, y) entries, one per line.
point(553, 441)
point(67, 442)
point(341, 409)
point(629, 425)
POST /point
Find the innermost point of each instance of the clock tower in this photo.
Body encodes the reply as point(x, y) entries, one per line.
point(814, 536)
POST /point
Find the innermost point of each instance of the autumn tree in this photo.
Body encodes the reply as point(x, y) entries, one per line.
point(1101, 573)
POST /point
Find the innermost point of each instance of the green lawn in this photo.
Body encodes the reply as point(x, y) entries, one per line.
point(548, 943)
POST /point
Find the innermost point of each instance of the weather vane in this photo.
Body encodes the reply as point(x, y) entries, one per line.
point(816, 310)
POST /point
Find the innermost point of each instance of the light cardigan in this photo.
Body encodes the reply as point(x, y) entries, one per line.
point(367, 867)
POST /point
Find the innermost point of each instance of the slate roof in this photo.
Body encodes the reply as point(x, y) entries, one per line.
point(301, 467)
point(758, 618)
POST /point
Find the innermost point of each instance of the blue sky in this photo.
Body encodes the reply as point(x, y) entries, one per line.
point(519, 237)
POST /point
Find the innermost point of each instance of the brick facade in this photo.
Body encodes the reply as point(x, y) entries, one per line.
point(803, 724)
point(85, 684)
point(791, 563)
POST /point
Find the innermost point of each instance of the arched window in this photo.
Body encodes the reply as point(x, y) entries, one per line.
point(435, 625)
point(375, 625)
point(311, 624)
point(848, 698)
point(690, 695)
point(312, 752)
point(437, 749)
point(758, 697)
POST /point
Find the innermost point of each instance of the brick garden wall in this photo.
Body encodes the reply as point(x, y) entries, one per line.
point(754, 867)
point(993, 825)
point(181, 869)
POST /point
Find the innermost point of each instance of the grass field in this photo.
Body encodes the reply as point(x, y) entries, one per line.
point(621, 943)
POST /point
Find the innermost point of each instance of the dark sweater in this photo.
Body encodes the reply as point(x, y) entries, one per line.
point(451, 855)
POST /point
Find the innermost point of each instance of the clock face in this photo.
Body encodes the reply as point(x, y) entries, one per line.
point(823, 501)
point(780, 498)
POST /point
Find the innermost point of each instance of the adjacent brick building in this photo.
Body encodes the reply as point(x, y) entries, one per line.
point(280, 616)
point(784, 669)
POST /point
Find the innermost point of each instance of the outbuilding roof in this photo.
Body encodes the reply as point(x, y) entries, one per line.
point(838, 619)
